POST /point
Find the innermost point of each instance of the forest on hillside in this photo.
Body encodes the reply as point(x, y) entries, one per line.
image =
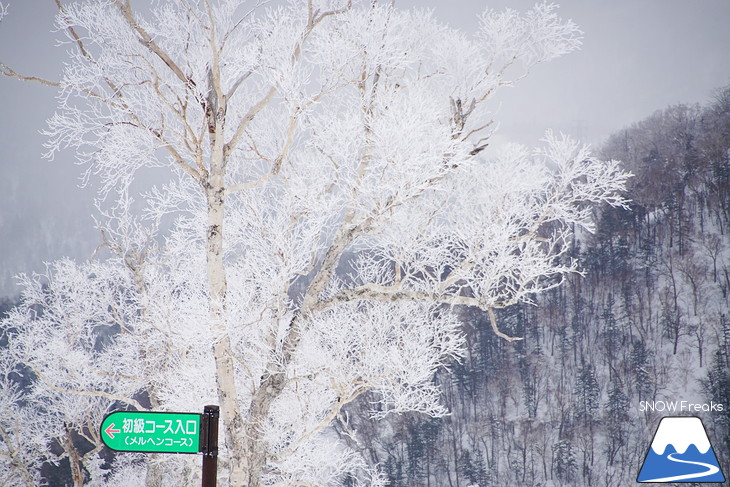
point(648, 323)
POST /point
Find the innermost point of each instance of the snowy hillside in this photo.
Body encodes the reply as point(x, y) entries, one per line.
point(645, 334)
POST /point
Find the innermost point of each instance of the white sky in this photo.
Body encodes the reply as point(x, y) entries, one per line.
point(638, 56)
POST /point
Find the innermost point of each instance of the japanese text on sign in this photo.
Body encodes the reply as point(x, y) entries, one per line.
point(153, 432)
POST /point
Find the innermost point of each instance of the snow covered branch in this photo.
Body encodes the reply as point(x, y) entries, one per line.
point(330, 201)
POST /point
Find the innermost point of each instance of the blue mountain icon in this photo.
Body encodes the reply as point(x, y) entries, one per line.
point(681, 452)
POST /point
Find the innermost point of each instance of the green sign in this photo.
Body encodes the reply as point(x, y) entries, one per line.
point(152, 432)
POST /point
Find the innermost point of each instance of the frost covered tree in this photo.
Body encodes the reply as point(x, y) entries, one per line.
point(328, 208)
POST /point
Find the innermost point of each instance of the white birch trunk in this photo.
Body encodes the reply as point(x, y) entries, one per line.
point(225, 372)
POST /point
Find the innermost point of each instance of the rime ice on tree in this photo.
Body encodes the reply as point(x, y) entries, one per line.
point(329, 206)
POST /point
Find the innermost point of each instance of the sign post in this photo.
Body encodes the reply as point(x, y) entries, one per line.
point(162, 432)
point(210, 449)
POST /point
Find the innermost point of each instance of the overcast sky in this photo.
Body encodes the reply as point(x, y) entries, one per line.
point(638, 56)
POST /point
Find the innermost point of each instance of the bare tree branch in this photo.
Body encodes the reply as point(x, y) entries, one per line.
point(11, 73)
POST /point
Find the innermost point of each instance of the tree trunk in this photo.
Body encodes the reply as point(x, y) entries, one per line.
point(153, 477)
point(214, 188)
point(264, 397)
point(74, 459)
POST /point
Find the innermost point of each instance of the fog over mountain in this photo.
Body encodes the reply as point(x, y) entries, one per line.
point(636, 57)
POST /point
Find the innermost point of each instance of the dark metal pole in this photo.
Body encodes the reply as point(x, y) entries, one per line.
point(210, 446)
